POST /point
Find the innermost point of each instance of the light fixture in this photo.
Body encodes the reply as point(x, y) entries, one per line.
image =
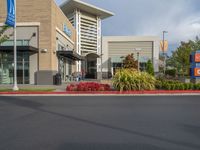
point(44, 50)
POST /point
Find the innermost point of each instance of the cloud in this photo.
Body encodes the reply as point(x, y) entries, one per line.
point(181, 18)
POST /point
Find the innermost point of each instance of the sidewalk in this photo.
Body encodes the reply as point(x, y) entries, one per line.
point(61, 90)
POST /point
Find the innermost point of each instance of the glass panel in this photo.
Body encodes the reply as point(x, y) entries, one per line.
point(6, 73)
point(19, 43)
point(26, 73)
point(6, 68)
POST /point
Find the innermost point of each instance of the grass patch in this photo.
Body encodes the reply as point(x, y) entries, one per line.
point(30, 90)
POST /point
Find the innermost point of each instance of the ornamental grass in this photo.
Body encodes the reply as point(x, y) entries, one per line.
point(133, 80)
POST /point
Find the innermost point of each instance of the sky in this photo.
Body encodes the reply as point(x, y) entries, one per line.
point(181, 18)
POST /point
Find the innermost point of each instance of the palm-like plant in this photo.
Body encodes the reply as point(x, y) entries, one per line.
point(131, 79)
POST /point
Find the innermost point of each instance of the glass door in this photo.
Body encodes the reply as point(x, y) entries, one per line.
point(62, 69)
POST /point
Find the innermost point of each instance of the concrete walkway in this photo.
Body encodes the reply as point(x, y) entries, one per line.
point(58, 88)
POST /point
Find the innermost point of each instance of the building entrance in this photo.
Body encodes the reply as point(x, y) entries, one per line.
point(91, 66)
point(65, 69)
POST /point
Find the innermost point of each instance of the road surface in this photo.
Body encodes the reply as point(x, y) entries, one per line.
point(100, 123)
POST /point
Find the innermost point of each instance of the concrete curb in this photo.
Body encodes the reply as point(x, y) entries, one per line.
point(107, 93)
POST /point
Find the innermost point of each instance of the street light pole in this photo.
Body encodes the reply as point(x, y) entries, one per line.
point(101, 66)
point(138, 58)
point(15, 87)
point(163, 48)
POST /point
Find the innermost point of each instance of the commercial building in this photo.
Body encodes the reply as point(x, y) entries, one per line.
point(65, 40)
point(48, 43)
point(86, 19)
point(115, 48)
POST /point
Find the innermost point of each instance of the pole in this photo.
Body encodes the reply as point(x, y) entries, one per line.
point(163, 51)
point(101, 67)
point(138, 58)
point(163, 48)
point(15, 87)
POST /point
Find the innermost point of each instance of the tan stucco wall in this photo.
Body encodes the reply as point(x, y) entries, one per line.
point(58, 19)
point(49, 15)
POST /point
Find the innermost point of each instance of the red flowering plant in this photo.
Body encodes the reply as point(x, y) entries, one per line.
point(88, 86)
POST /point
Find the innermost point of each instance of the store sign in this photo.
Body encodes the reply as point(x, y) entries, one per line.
point(197, 72)
point(67, 31)
point(197, 57)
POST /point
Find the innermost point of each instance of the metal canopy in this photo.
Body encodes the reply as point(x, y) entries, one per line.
point(70, 54)
point(19, 49)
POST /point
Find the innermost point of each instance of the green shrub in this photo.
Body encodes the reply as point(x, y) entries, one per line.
point(186, 86)
point(130, 79)
point(171, 72)
point(173, 86)
point(197, 86)
point(181, 87)
point(158, 84)
point(149, 68)
point(177, 86)
point(191, 86)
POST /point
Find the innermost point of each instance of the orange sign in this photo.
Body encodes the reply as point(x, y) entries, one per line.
point(197, 57)
point(197, 72)
point(165, 46)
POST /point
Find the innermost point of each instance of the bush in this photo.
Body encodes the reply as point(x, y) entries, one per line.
point(150, 68)
point(196, 86)
point(171, 72)
point(158, 84)
point(176, 85)
point(88, 86)
point(130, 79)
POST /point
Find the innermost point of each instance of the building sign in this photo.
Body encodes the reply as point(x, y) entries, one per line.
point(66, 30)
point(195, 65)
point(197, 72)
point(197, 57)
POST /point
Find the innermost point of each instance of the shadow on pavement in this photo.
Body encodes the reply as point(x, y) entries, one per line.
point(38, 107)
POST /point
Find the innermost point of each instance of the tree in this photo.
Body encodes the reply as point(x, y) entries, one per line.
point(130, 62)
point(182, 56)
point(150, 68)
point(3, 37)
point(180, 59)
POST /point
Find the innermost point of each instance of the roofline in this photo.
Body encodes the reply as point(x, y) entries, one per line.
point(131, 38)
point(89, 5)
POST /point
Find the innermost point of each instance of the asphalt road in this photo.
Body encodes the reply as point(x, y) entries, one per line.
point(100, 123)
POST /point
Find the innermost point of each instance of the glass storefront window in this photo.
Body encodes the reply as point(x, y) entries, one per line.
point(6, 68)
point(19, 43)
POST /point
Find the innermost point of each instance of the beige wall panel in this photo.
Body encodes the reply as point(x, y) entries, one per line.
point(58, 19)
point(35, 11)
point(125, 48)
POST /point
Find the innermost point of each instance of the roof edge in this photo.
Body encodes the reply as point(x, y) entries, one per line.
point(88, 5)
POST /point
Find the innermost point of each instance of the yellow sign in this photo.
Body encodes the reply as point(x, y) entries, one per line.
point(165, 46)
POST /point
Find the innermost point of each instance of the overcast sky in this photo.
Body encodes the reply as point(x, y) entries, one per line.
point(181, 18)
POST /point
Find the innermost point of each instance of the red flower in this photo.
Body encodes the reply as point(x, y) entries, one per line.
point(88, 86)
